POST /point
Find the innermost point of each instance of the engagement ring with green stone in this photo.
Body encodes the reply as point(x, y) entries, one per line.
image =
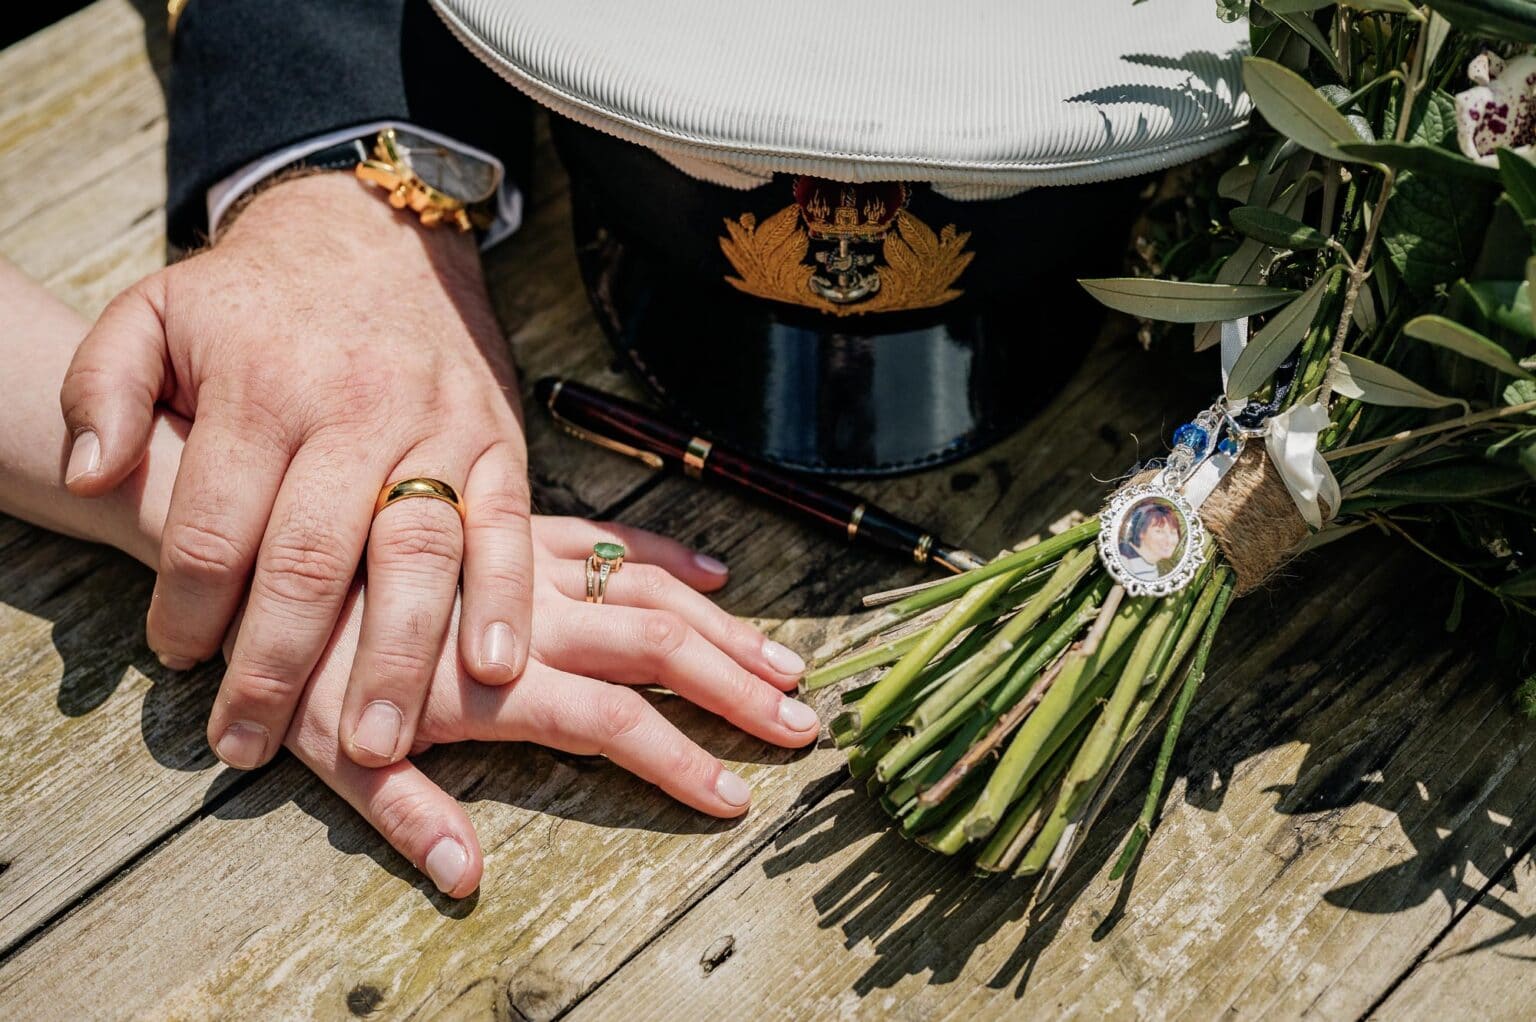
point(606, 559)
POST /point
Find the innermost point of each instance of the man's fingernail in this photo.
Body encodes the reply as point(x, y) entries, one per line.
point(242, 745)
point(732, 788)
point(781, 658)
point(84, 456)
point(378, 729)
point(709, 564)
point(446, 863)
point(797, 716)
point(497, 651)
point(172, 662)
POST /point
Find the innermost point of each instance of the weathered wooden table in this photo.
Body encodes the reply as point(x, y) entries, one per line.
point(1349, 833)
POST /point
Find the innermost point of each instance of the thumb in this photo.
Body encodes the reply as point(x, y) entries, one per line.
point(109, 393)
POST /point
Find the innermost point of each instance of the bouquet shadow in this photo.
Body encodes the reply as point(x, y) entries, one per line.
point(1354, 750)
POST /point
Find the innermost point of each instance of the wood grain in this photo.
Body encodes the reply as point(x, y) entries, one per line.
point(1348, 833)
point(585, 866)
point(1334, 810)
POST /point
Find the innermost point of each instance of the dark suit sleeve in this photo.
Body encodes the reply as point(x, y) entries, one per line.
point(252, 76)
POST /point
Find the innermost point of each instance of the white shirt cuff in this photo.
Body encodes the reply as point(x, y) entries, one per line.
point(225, 193)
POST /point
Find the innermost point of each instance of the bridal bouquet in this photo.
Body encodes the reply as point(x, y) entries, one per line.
point(1365, 275)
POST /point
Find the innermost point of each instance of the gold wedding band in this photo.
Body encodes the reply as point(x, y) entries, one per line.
point(420, 486)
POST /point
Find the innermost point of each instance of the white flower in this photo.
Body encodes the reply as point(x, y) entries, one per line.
point(1499, 111)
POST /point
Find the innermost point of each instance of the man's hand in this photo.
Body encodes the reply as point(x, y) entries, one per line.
point(325, 347)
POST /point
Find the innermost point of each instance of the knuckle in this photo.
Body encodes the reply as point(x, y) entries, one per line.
point(263, 693)
point(651, 584)
point(420, 539)
point(408, 655)
point(405, 818)
point(620, 713)
point(662, 633)
point(203, 552)
point(305, 568)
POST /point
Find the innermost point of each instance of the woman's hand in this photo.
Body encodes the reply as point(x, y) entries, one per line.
point(654, 628)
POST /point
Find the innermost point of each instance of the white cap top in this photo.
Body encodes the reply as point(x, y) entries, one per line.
point(963, 92)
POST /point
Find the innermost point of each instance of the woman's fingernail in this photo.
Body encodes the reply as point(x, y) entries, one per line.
point(446, 863)
point(84, 456)
point(176, 663)
point(781, 658)
point(732, 788)
point(378, 730)
point(242, 745)
point(497, 651)
point(797, 716)
point(709, 564)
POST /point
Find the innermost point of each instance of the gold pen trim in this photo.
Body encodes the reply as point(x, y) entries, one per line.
point(650, 459)
point(854, 520)
point(920, 552)
point(695, 456)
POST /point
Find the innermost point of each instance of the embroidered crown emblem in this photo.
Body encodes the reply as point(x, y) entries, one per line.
point(867, 252)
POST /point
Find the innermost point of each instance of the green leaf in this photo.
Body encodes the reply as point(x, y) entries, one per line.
point(1437, 30)
point(1519, 392)
point(1504, 303)
point(1304, 26)
point(1176, 301)
point(1513, 20)
point(1519, 177)
point(1237, 182)
point(1446, 333)
point(1276, 229)
point(1375, 384)
point(1293, 108)
point(1414, 156)
point(1451, 480)
point(1433, 228)
point(1386, 7)
point(1523, 584)
point(1275, 342)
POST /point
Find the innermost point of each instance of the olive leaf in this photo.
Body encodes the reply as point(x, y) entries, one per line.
point(1276, 229)
point(1464, 341)
point(1427, 158)
point(1375, 384)
point(1436, 32)
point(1386, 7)
point(1294, 108)
point(1295, 6)
point(1523, 584)
point(1504, 303)
point(1236, 182)
point(1177, 301)
point(1303, 25)
point(1451, 480)
point(1275, 342)
point(1500, 19)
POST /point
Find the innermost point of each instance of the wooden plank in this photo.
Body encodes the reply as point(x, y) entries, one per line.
point(584, 865)
point(1480, 967)
point(111, 755)
point(1350, 776)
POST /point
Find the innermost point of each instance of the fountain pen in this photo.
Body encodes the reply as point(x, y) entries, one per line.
point(623, 426)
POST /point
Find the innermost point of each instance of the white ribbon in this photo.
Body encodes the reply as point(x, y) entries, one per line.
point(1291, 439)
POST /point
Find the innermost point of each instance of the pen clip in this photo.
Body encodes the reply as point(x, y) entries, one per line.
point(650, 459)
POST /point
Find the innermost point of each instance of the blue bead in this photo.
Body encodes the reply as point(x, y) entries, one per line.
point(1191, 435)
point(1227, 446)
